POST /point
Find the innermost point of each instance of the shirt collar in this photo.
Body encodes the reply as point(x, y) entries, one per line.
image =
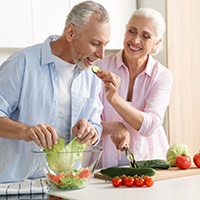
point(149, 67)
point(120, 62)
point(47, 56)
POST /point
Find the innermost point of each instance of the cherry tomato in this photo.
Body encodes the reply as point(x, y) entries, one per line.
point(148, 181)
point(129, 181)
point(139, 181)
point(196, 159)
point(85, 173)
point(123, 179)
point(116, 182)
point(183, 161)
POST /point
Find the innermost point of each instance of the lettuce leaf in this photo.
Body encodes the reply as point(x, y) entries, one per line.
point(66, 156)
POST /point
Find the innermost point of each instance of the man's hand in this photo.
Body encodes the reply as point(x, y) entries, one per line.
point(120, 136)
point(43, 135)
point(85, 132)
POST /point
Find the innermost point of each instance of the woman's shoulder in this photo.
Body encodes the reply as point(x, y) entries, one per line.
point(158, 67)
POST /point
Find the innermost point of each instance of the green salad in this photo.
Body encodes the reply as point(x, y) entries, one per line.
point(63, 174)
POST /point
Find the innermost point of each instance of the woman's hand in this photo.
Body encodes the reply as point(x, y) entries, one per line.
point(85, 132)
point(120, 136)
point(111, 82)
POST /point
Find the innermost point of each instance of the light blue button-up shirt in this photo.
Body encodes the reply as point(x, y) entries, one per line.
point(29, 94)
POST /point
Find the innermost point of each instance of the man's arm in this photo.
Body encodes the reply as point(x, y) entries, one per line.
point(42, 134)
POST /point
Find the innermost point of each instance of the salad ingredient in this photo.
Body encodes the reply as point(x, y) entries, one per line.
point(176, 150)
point(55, 178)
point(57, 162)
point(123, 177)
point(148, 181)
point(85, 173)
point(183, 161)
point(196, 159)
point(62, 164)
point(116, 182)
point(129, 181)
point(62, 161)
point(75, 179)
point(139, 181)
point(119, 171)
point(155, 163)
point(95, 69)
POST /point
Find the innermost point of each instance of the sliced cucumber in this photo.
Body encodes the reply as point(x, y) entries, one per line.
point(95, 69)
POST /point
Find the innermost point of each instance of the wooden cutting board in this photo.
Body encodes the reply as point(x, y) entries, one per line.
point(172, 172)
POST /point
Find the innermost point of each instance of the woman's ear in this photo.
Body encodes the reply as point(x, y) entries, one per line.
point(69, 32)
point(156, 44)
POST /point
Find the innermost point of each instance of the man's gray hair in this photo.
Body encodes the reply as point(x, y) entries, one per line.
point(80, 14)
point(158, 21)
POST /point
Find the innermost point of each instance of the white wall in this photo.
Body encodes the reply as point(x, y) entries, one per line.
point(5, 53)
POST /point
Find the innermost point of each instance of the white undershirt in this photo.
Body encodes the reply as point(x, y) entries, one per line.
point(66, 72)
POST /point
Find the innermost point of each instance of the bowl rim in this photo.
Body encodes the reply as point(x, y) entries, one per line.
point(96, 149)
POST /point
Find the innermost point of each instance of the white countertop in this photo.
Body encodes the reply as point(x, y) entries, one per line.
point(185, 188)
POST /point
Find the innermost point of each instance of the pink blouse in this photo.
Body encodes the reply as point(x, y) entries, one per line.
point(151, 95)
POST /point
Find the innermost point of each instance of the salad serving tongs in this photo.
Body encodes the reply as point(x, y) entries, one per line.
point(130, 157)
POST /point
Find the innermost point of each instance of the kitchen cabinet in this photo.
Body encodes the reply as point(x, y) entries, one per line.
point(27, 22)
point(183, 60)
point(48, 18)
point(16, 23)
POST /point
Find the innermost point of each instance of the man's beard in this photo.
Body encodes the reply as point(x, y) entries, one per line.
point(78, 61)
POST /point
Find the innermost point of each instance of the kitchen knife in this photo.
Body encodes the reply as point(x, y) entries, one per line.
point(130, 157)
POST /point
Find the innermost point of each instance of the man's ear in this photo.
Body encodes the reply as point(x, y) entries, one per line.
point(69, 32)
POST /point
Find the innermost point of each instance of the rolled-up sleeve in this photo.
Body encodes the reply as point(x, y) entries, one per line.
point(157, 102)
point(10, 81)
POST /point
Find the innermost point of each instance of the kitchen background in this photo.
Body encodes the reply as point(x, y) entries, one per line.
point(27, 22)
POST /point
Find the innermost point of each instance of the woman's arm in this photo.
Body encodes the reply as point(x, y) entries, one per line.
point(131, 115)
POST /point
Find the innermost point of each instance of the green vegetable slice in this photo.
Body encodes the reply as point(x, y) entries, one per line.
point(62, 161)
point(95, 69)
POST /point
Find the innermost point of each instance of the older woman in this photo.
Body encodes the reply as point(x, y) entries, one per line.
point(136, 93)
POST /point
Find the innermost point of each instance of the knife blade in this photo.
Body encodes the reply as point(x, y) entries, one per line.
point(130, 157)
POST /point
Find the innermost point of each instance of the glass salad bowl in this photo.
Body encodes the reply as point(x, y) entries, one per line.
point(69, 168)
